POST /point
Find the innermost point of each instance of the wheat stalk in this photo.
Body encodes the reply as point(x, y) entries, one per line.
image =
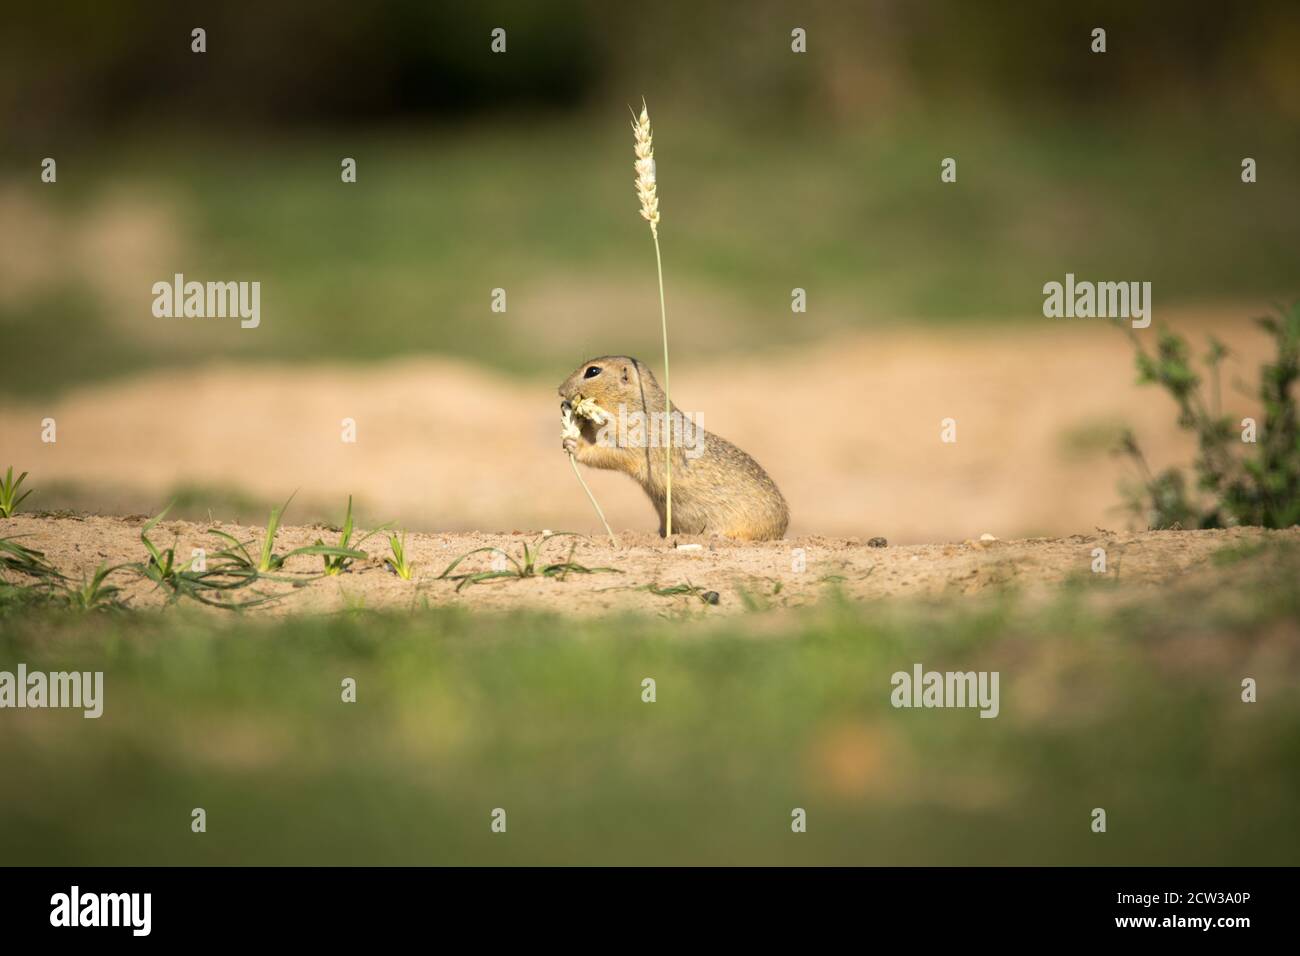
point(585, 408)
point(647, 192)
point(613, 539)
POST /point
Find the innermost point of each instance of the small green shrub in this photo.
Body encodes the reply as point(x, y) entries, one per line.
point(1235, 482)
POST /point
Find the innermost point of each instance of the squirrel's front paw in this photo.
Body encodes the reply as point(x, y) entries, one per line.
point(570, 445)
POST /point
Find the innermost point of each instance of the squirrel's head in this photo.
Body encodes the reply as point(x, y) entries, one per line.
point(610, 381)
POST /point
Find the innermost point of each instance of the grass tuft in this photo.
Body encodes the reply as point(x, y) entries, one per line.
point(528, 567)
point(9, 497)
point(211, 586)
point(94, 593)
point(268, 562)
point(398, 562)
point(20, 559)
point(341, 557)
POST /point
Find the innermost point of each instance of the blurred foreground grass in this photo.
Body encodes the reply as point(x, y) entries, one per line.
point(1127, 700)
point(405, 260)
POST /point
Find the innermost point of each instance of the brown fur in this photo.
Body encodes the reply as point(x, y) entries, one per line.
point(720, 491)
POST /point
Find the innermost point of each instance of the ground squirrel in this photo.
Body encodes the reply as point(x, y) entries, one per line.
point(717, 488)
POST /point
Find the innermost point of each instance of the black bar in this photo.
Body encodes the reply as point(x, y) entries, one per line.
point(333, 905)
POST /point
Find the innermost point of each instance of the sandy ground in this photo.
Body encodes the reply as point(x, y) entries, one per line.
point(742, 575)
point(850, 430)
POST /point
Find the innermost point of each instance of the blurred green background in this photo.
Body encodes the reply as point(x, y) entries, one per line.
point(479, 171)
point(1108, 698)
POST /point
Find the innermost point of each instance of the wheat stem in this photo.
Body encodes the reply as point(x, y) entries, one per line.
point(608, 530)
point(668, 421)
point(647, 192)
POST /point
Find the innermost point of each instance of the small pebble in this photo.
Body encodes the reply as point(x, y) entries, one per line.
point(877, 543)
point(711, 597)
point(987, 537)
point(690, 547)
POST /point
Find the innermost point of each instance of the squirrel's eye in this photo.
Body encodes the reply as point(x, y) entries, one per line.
point(592, 371)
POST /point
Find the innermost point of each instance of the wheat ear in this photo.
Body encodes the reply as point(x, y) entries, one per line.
point(646, 191)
